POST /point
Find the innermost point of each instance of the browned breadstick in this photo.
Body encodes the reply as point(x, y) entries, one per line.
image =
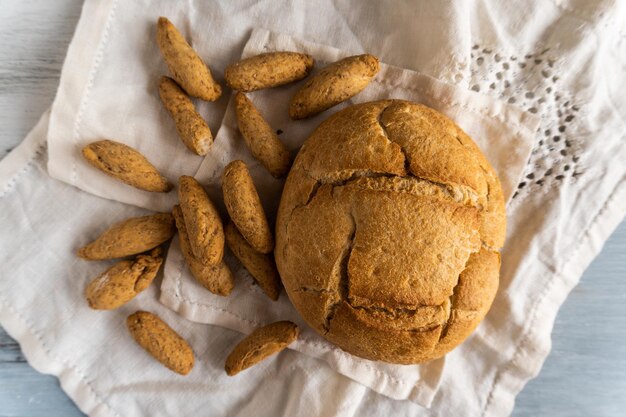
point(204, 226)
point(261, 138)
point(186, 67)
point(268, 70)
point(333, 84)
point(244, 206)
point(123, 281)
point(130, 237)
point(161, 341)
point(126, 164)
point(216, 278)
point(260, 344)
point(260, 266)
point(191, 127)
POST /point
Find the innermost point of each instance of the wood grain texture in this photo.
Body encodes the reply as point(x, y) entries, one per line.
point(585, 375)
point(34, 37)
point(25, 393)
point(10, 351)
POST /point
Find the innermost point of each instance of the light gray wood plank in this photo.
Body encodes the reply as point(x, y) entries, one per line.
point(585, 374)
point(34, 36)
point(10, 351)
point(26, 393)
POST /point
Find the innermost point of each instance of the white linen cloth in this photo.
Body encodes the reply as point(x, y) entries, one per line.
point(563, 61)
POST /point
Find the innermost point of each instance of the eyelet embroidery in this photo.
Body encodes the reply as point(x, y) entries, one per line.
point(531, 81)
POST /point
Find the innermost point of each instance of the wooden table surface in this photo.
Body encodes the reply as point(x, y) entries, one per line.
point(585, 374)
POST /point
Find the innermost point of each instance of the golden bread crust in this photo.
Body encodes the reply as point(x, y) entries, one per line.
point(388, 232)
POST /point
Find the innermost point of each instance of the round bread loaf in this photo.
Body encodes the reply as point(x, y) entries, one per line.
point(388, 232)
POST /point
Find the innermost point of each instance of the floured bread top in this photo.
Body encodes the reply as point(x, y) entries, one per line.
point(388, 232)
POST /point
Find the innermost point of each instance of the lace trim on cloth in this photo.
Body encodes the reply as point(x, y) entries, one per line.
point(531, 81)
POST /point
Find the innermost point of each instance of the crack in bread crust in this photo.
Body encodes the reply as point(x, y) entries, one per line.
point(383, 128)
point(313, 193)
point(343, 283)
point(315, 290)
point(482, 168)
point(451, 308)
point(409, 184)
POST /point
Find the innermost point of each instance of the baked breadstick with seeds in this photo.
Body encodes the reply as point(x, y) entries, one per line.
point(161, 341)
point(130, 237)
point(263, 142)
point(191, 127)
point(333, 84)
point(260, 344)
point(216, 278)
point(123, 281)
point(126, 164)
point(260, 266)
point(203, 223)
point(244, 206)
point(186, 67)
point(268, 70)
